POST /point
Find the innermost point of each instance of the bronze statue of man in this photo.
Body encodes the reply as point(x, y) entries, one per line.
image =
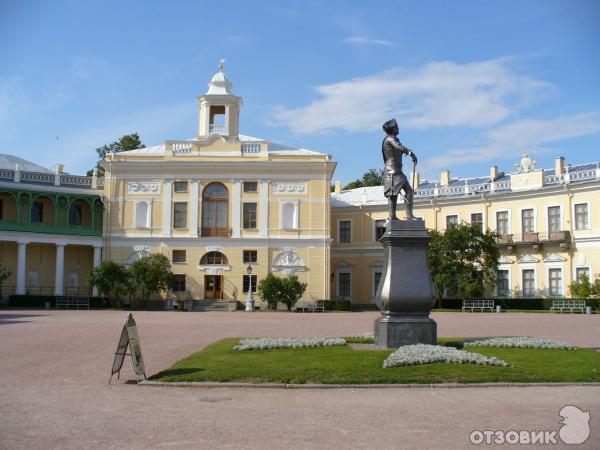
point(394, 181)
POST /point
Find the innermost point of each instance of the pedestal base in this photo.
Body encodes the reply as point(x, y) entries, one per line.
point(393, 331)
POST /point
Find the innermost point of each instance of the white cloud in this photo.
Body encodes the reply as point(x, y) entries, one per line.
point(362, 40)
point(439, 94)
point(510, 140)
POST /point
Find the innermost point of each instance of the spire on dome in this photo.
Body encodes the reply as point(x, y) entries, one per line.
point(219, 84)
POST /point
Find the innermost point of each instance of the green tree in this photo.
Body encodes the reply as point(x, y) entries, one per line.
point(148, 275)
point(126, 142)
point(111, 279)
point(373, 177)
point(269, 290)
point(291, 291)
point(465, 259)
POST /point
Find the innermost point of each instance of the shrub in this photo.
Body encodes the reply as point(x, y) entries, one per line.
point(287, 290)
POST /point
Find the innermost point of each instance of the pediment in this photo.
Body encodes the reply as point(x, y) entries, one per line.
point(504, 260)
point(376, 264)
point(528, 259)
point(553, 257)
point(343, 264)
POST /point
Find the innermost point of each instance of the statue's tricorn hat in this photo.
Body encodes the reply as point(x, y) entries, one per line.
point(390, 125)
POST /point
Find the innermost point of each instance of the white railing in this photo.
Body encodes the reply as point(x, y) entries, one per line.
point(554, 179)
point(182, 147)
point(421, 193)
point(581, 175)
point(217, 129)
point(100, 183)
point(76, 180)
point(479, 188)
point(250, 147)
point(37, 177)
point(7, 174)
point(452, 190)
point(501, 185)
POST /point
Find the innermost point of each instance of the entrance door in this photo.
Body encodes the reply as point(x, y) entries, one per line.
point(213, 286)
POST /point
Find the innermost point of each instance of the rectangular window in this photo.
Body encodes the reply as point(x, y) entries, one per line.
point(502, 223)
point(181, 186)
point(37, 212)
point(345, 231)
point(477, 220)
point(527, 225)
point(179, 285)
point(451, 221)
point(581, 216)
point(379, 229)
point(528, 283)
point(179, 215)
point(502, 284)
point(249, 216)
point(580, 272)
point(555, 282)
point(554, 219)
point(250, 256)
point(250, 187)
point(376, 280)
point(247, 283)
point(344, 281)
point(179, 256)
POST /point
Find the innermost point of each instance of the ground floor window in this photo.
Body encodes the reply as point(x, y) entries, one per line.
point(502, 284)
point(580, 272)
point(344, 284)
point(528, 283)
point(555, 282)
point(179, 285)
point(246, 283)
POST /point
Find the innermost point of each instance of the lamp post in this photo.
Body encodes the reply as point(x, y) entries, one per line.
point(249, 300)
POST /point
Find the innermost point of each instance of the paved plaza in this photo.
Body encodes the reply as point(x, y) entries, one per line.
point(56, 364)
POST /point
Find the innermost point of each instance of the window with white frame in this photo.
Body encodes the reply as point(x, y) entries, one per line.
point(581, 216)
point(502, 283)
point(581, 272)
point(528, 284)
point(289, 216)
point(554, 222)
point(379, 228)
point(502, 223)
point(477, 220)
point(142, 215)
point(180, 186)
point(345, 231)
point(555, 282)
point(527, 222)
point(451, 221)
point(180, 215)
point(344, 284)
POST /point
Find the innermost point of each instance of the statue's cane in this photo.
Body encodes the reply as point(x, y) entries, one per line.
point(413, 177)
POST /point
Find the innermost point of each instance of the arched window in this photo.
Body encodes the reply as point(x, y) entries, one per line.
point(213, 258)
point(141, 215)
point(215, 210)
point(75, 214)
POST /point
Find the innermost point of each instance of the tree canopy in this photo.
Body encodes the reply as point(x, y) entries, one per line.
point(126, 142)
point(373, 177)
point(463, 259)
point(274, 290)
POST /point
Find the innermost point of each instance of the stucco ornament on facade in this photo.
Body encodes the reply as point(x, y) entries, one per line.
point(526, 164)
point(289, 188)
point(134, 187)
point(288, 262)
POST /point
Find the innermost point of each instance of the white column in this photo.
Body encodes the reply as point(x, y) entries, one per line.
point(194, 209)
point(97, 261)
point(59, 270)
point(21, 267)
point(236, 206)
point(263, 208)
point(167, 207)
point(227, 121)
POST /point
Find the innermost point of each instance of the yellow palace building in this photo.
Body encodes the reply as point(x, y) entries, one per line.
point(223, 201)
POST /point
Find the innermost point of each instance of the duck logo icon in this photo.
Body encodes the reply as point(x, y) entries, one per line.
point(575, 425)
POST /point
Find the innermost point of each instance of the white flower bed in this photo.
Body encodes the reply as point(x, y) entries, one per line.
point(410, 355)
point(363, 335)
point(517, 342)
point(271, 343)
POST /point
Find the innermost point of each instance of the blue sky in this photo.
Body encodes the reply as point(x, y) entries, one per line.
point(472, 83)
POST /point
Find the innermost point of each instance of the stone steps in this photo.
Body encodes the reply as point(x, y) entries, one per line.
point(210, 305)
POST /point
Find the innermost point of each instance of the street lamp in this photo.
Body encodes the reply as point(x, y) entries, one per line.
point(249, 300)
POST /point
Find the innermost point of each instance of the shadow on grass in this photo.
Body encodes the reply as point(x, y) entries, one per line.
point(177, 372)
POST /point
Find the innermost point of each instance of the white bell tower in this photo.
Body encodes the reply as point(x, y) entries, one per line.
point(219, 108)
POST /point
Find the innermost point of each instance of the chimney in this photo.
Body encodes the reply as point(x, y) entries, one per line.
point(445, 179)
point(493, 173)
point(417, 179)
point(338, 187)
point(559, 165)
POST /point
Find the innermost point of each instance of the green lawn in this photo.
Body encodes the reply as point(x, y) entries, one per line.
point(343, 365)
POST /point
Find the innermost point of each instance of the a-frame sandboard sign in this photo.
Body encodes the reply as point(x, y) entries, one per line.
point(129, 338)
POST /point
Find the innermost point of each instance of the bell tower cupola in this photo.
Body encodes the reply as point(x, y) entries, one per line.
point(219, 108)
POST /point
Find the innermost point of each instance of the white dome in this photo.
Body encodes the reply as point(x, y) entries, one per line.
point(219, 85)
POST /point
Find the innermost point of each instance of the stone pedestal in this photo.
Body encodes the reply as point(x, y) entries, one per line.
point(405, 294)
